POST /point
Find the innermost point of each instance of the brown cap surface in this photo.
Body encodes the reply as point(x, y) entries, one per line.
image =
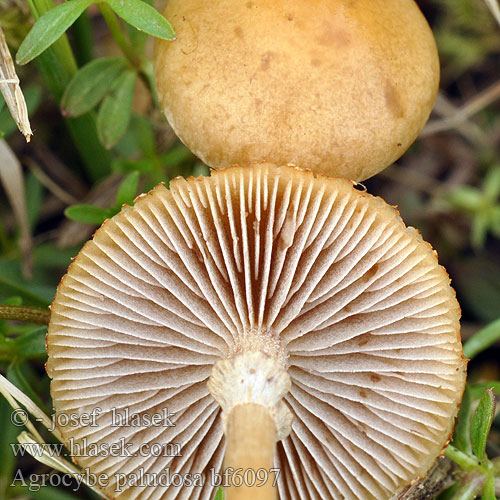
point(340, 87)
point(322, 278)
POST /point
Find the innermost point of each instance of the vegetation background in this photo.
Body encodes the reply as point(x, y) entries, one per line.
point(101, 139)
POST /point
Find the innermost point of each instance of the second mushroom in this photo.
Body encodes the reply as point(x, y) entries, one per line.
point(283, 324)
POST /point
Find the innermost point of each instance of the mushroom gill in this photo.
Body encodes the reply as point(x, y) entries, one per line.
point(340, 319)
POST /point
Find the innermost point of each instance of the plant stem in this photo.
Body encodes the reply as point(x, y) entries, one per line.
point(30, 314)
point(126, 47)
point(482, 339)
point(82, 31)
point(61, 47)
point(465, 461)
point(57, 65)
point(33, 9)
point(116, 30)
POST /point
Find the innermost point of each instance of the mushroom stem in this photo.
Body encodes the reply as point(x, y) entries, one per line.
point(248, 463)
point(250, 388)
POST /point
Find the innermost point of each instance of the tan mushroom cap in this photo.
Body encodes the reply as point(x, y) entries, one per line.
point(323, 279)
point(337, 86)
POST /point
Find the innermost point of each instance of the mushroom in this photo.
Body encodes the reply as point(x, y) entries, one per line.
point(340, 87)
point(275, 316)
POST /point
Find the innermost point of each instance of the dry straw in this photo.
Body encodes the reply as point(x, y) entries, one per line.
point(11, 90)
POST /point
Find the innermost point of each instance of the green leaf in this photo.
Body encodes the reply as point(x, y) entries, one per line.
point(90, 85)
point(127, 190)
point(143, 17)
point(32, 344)
point(35, 291)
point(144, 135)
point(88, 214)
point(124, 165)
point(116, 110)
point(137, 38)
point(461, 436)
point(49, 255)
point(491, 187)
point(49, 28)
point(479, 229)
point(176, 155)
point(220, 494)
point(481, 423)
point(465, 198)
